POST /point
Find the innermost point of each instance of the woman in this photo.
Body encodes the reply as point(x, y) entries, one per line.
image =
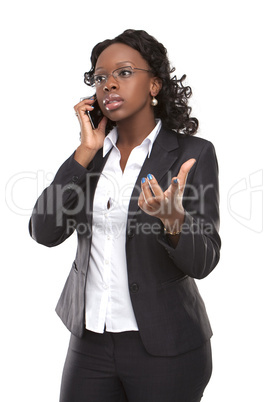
point(139, 327)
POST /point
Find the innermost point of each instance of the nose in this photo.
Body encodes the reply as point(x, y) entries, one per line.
point(110, 84)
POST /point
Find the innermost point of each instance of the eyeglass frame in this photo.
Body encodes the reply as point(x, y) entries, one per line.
point(112, 73)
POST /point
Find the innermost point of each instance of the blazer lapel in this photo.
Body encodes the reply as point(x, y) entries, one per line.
point(95, 168)
point(163, 156)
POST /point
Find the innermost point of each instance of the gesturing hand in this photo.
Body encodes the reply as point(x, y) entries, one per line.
point(167, 206)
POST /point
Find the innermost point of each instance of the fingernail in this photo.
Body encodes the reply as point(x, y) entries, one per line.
point(92, 97)
point(175, 181)
point(149, 176)
point(143, 180)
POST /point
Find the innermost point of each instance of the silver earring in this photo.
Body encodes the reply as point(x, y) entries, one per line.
point(154, 102)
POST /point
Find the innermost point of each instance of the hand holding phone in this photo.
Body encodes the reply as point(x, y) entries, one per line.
point(88, 112)
point(92, 134)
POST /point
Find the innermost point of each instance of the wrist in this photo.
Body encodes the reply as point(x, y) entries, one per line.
point(84, 155)
point(173, 226)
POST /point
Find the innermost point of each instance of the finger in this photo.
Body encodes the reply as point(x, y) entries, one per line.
point(88, 98)
point(83, 108)
point(183, 173)
point(141, 200)
point(174, 187)
point(81, 112)
point(143, 204)
point(151, 191)
point(146, 191)
point(146, 195)
point(84, 101)
point(154, 186)
point(102, 124)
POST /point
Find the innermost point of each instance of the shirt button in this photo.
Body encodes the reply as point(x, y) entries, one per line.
point(106, 262)
point(105, 286)
point(134, 287)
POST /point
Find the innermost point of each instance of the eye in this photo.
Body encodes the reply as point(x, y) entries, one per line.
point(125, 72)
point(99, 79)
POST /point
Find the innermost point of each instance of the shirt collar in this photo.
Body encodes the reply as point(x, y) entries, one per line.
point(111, 139)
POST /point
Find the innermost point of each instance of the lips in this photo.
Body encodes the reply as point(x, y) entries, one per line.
point(113, 102)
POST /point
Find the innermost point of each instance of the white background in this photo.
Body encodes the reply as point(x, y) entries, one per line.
point(45, 50)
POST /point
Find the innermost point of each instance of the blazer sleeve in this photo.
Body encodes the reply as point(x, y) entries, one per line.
point(198, 249)
point(58, 204)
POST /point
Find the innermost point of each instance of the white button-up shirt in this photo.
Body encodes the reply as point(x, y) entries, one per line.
point(108, 301)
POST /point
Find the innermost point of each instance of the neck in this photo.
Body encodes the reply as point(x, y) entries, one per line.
point(132, 131)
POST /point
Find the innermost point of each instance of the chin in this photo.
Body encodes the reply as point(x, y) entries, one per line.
point(114, 115)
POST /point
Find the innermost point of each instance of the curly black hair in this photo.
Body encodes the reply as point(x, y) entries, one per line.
point(172, 106)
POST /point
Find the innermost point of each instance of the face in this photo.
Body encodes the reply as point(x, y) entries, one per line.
point(125, 97)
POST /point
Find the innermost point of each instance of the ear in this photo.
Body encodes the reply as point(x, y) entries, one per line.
point(156, 86)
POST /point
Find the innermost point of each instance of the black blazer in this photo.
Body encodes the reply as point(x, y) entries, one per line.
point(169, 310)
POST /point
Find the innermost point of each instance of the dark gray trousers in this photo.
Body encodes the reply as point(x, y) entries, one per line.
point(115, 367)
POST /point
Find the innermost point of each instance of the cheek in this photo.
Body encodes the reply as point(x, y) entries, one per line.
point(138, 93)
point(100, 97)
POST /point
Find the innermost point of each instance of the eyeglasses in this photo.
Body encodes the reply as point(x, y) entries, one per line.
point(120, 74)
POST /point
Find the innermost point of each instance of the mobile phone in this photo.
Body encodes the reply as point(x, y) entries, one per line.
point(88, 112)
point(96, 115)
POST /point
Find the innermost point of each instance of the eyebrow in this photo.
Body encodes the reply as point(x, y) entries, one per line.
point(119, 62)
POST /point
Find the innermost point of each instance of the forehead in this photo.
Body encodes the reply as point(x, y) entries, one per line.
point(118, 53)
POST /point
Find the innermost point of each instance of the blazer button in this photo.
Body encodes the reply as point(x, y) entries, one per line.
point(134, 287)
point(130, 233)
point(74, 179)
